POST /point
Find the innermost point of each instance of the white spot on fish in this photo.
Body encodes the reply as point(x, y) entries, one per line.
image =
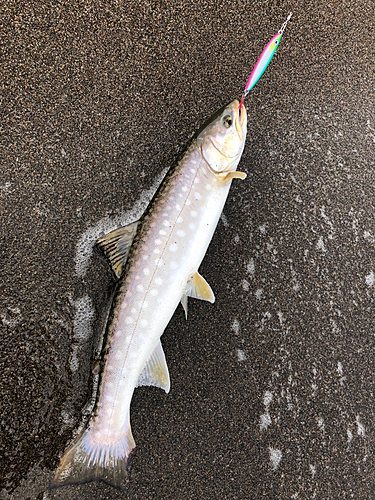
point(208, 187)
point(188, 203)
point(97, 436)
point(198, 196)
point(156, 251)
point(184, 189)
point(158, 241)
point(180, 220)
point(146, 271)
point(196, 180)
point(162, 233)
point(192, 170)
point(275, 457)
point(140, 288)
point(181, 233)
point(191, 226)
point(133, 310)
point(144, 322)
point(118, 355)
point(178, 207)
point(154, 292)
point(173, 265)
point(159, 281)
point(166, 223)
point(129, 320)
point(173, 247)
point(193, 213)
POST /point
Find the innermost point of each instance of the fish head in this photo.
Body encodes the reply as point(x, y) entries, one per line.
point(222, 140)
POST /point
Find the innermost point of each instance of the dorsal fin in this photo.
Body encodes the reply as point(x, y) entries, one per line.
point(198, 288)
point(156, 370)
point(116, 245)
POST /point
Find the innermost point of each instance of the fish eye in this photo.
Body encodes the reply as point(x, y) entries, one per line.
point(226, 121)
point(276, 42)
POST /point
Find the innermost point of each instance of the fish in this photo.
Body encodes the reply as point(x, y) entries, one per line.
point(156, 260)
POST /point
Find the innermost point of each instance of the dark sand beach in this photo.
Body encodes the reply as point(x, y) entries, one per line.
point(272, 387)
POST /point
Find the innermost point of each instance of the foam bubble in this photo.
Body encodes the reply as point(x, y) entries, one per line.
point(275, 457)
point(83, 316)
point(109, 223)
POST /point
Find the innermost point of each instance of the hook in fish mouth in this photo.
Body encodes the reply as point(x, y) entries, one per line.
point(241, 119)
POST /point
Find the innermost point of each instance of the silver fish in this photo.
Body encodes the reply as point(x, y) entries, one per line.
point(157, 261)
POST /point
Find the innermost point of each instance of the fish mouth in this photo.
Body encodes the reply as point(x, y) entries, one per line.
point(240, 118)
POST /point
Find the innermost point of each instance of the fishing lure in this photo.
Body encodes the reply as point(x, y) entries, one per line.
point(265, 58)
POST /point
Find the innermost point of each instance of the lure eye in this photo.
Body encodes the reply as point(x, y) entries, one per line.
point(226, 121)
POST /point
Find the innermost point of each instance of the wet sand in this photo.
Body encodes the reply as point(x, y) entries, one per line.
point(272, 387)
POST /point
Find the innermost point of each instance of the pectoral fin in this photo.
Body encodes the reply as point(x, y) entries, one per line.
point(116, 246)
point(235, 175)
point(156, 370)
point(198, 288)
point(184, 304)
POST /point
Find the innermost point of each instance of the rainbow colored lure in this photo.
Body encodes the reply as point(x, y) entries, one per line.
point(265, 59)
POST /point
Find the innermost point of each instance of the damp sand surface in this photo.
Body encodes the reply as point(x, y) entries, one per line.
point(272, 386)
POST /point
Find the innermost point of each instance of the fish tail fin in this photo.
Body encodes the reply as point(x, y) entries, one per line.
point(86, 460)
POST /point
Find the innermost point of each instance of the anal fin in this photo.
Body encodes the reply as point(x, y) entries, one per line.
point(184, 303)
point(198, 288)
point(116, 246)
point(156, 370)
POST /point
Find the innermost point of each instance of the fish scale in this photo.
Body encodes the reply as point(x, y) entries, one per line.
point(157, 262)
